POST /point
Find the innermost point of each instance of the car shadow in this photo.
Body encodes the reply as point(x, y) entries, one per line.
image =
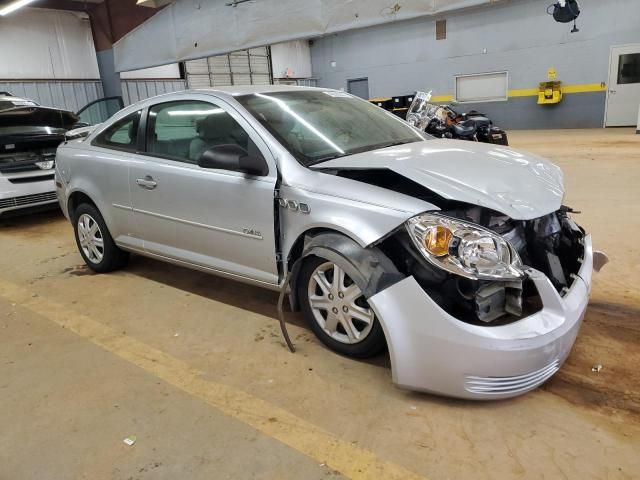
point(18, 219)
point(230, 292)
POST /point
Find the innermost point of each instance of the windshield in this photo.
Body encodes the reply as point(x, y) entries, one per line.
point(316, 126)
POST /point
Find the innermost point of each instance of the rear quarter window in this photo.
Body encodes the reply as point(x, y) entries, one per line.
point(122, 135)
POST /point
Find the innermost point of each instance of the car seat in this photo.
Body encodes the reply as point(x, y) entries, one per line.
point(216, 129)
point(284, 123)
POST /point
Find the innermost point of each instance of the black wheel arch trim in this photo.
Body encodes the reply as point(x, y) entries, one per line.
point(368, 267)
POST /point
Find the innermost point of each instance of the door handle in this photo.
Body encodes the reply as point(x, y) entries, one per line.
point(147, 182)
point(612, 91)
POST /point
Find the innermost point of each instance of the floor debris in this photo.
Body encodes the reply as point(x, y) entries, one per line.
point(130, 440)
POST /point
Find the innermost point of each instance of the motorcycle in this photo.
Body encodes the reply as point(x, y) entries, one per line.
point(443, 121)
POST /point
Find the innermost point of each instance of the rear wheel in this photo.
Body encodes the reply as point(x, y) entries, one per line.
point(336, 309)
point(94, 241)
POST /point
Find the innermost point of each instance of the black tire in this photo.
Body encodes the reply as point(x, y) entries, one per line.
point(371, 345)
point(112, 257)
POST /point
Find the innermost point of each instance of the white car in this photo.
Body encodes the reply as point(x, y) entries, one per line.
point(457, 256)
point(29, 136)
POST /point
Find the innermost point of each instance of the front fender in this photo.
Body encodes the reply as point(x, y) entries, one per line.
point(364, 222)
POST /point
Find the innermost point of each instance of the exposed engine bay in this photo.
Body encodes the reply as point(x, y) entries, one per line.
point(29, 135)
point(552, 244)
point(21, 153)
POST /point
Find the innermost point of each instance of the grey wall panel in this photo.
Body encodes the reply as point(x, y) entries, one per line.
point(69, 95)
point(45, 44)
point(136, 90)
point(578, 110)
point(517, 37)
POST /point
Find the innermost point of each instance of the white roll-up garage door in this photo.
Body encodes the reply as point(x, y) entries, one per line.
point(244, 67)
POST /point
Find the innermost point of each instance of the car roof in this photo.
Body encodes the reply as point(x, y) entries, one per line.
point(228, 91)
point(249, 89)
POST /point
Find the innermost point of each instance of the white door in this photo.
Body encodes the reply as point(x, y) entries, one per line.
point(623, 97)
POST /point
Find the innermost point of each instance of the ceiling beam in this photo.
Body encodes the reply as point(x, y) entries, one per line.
point(188, 29)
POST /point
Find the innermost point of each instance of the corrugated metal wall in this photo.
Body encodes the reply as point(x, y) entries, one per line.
point(45, 44)
point(73, 95)
point(135, 90)
point(66, 94)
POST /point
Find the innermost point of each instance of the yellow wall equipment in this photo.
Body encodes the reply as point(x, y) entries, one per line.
point(549, 93)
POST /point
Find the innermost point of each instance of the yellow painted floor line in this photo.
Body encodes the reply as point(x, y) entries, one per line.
point(271, 420)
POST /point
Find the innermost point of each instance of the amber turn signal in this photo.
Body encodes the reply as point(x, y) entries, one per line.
point(437, 240)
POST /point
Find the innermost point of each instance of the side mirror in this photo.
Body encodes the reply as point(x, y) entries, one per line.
point(235, 158)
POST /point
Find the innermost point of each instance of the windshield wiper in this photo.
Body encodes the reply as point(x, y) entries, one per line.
point(367, 148)
point(328, 157)
point(390, 144)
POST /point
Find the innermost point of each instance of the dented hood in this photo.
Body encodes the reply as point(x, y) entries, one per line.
point(520, 185)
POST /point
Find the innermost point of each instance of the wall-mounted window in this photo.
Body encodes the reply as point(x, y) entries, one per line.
point(482, 87)
point(629, 68)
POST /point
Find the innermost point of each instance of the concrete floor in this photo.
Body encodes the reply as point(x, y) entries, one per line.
point(194, 366)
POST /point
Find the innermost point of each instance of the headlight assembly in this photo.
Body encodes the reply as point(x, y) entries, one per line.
point(464, 248)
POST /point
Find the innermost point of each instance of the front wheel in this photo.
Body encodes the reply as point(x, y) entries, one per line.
point(337, 311)
point(94, 241)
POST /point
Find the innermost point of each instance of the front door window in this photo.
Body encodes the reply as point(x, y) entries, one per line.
point(183, 130)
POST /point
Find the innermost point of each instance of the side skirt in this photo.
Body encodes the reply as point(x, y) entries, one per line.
point(202, 268)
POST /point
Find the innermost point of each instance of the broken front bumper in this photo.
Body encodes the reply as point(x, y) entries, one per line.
point(434, 352)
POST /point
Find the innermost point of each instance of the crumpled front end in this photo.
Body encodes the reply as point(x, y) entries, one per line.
point(489, 339)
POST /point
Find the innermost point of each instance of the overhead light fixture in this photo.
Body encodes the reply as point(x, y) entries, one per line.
point(153, 3)
point(13, 6)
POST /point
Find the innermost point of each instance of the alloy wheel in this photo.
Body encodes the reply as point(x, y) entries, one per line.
point(90, 238)
point(338, 305)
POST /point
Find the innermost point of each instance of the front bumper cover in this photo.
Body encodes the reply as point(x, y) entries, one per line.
point(24, 195)
point(434, 352)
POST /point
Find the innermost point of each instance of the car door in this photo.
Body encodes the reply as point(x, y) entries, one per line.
point(108, 175)
point(213, 218)
point(99, 110)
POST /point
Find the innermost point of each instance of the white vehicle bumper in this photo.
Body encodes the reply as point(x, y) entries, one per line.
point(23, 191)
point(434, 352)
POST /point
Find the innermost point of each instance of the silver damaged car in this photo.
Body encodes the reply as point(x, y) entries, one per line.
point(458, 257)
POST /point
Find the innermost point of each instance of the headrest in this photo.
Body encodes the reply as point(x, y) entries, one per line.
point(219, 125)
point(133, 130)
point(283, 121)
